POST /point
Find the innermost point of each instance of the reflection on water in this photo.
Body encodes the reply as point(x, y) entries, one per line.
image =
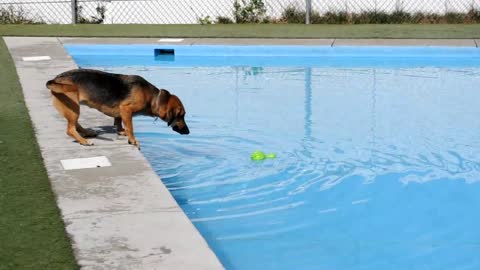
point(375, 168)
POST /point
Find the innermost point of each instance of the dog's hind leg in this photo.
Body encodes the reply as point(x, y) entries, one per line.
point(118, 124)
point(70, 90)
point(67, 104)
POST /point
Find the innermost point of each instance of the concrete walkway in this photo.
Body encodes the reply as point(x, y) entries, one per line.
point(280, 41)
point(123, 217)
point(118, 217)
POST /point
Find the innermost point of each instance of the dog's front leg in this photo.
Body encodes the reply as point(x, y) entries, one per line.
point(118, 124)
point(126, 114)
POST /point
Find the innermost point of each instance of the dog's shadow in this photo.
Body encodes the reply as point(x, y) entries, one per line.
point(105, 133)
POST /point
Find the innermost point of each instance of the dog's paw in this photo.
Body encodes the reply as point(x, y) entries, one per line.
point(86, 143)
point(122, 133)
point(135, 142)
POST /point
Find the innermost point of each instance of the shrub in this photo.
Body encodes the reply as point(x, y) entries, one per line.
point(249, 12)
point(400, 16)
point(11, 15)
point(315, 17)
point(365, 17)
point(426, 18)
point(292, 15)
point(334, 18)
point(205, 20)
point(473, 16)
point(454, 17)
point(223, 20)
point(98, 19)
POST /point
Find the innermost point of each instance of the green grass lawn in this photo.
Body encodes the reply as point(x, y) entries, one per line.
point(32, 234)
point(250, 31)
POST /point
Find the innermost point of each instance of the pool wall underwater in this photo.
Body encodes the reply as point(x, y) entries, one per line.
point(314, 56)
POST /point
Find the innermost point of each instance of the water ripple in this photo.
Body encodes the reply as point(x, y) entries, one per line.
point(251, 213)
point(370, 163)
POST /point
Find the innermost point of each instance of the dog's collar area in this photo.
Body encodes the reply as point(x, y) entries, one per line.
point(160, 99)
point(155, 104)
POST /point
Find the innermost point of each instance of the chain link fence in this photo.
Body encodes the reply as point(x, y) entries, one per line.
point(238, 11)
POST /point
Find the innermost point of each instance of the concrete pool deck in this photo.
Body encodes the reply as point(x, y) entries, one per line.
point(117, 217)
point(122, 216)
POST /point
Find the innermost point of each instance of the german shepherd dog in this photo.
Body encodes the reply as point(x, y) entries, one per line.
point(116, 95)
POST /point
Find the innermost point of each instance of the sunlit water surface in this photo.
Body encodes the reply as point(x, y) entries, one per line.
point(376, 168)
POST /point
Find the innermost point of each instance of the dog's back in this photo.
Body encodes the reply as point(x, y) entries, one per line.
point(99, 87)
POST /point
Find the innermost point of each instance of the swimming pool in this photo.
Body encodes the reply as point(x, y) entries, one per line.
point(377, 151)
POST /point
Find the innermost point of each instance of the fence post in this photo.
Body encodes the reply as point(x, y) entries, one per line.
point(74, 11)
point(308, 11)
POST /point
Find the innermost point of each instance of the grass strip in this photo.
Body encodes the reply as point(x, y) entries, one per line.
point(32, 233)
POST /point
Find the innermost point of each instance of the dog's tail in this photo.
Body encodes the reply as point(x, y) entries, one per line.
point(60, 87)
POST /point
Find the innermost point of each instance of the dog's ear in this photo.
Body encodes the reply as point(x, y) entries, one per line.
point(170, 116)
point(161, 103)
point(163, 97)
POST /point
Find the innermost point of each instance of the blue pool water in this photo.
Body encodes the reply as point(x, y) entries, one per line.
point(377, 152)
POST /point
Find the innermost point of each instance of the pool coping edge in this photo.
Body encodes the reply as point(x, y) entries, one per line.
point(333, 42)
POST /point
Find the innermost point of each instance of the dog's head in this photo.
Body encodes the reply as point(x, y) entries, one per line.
point(171, 110)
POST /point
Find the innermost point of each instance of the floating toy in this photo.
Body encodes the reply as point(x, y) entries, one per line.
point(259, 155)
point(271, 155)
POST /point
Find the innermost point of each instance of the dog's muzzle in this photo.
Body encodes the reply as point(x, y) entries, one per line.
point(183, 131)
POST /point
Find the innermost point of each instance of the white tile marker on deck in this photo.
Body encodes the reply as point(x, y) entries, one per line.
point(85, 163)
point(36, 58)
point(170, 40)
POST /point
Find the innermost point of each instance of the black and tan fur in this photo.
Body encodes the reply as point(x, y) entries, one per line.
point(117, 95)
